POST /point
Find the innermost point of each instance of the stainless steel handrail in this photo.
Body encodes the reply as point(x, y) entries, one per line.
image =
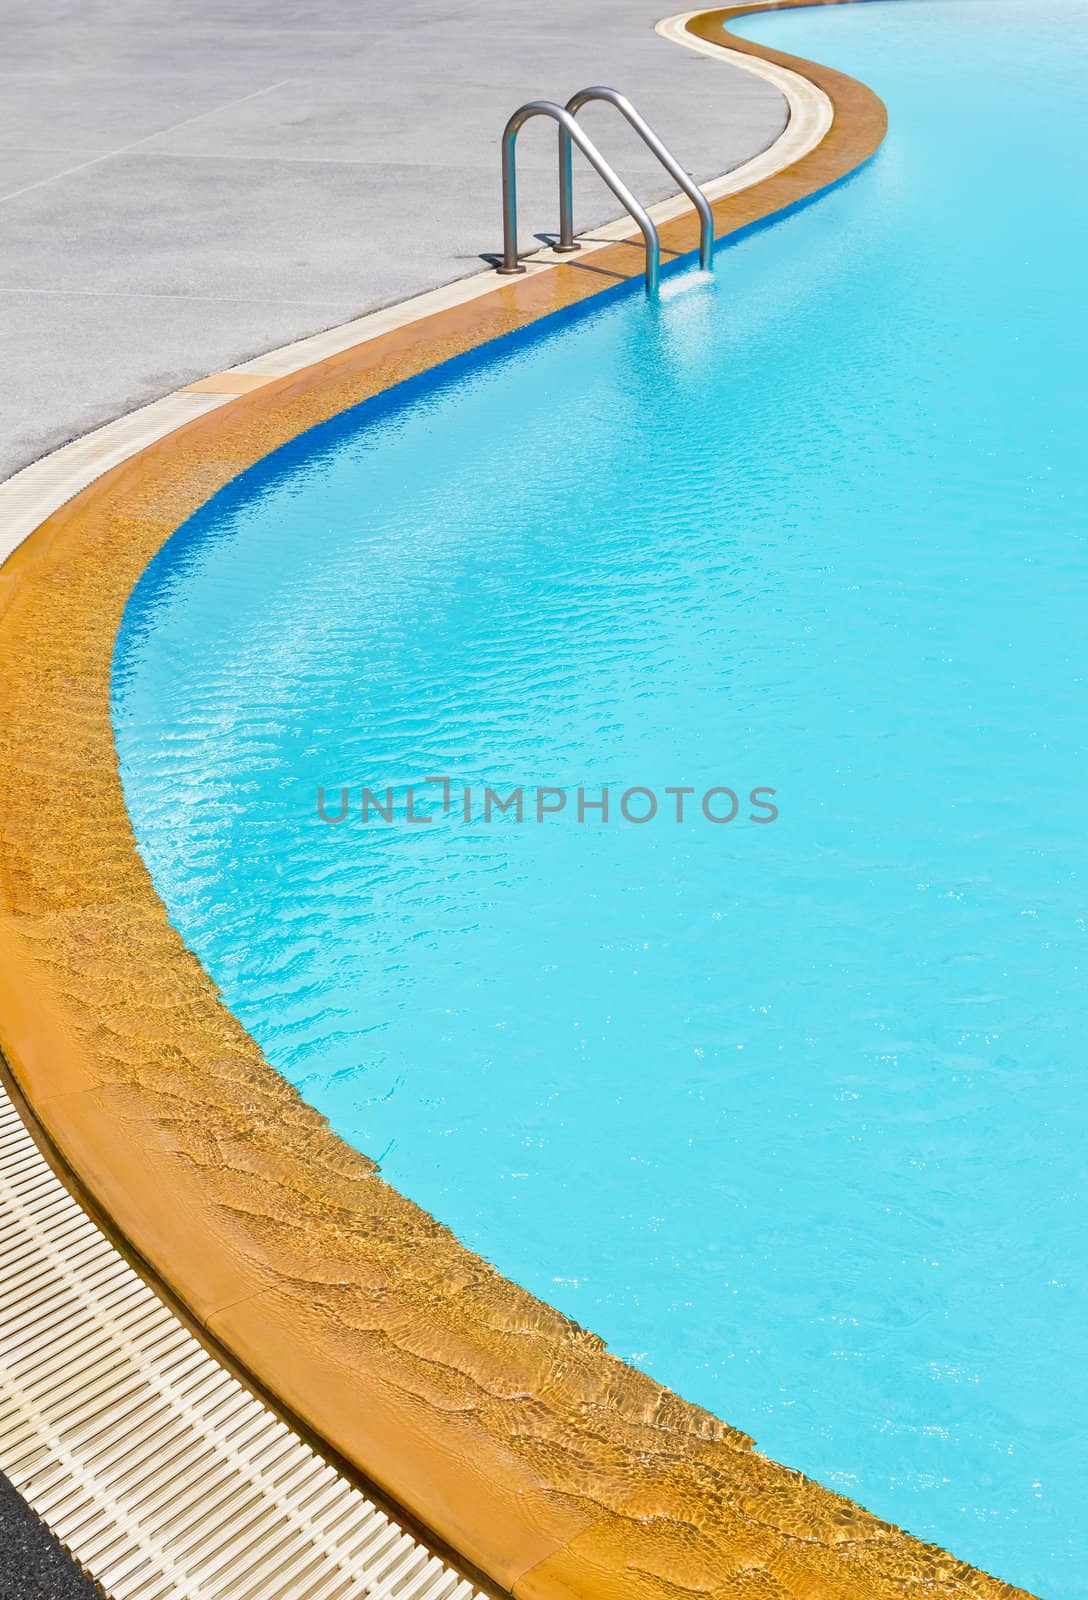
point(569, 132)
point(650, 139)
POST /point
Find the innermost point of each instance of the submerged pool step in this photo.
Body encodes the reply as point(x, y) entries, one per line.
point(161, 1473)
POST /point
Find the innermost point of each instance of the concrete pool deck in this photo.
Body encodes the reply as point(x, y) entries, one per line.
point(184, 187)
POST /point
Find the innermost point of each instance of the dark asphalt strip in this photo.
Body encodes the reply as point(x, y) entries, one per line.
point(33, 1566)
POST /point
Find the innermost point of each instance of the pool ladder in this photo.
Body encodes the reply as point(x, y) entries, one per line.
point(570, 134)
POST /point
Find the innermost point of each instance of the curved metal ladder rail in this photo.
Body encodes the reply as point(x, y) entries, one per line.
point(574, 134)
point(649, 138)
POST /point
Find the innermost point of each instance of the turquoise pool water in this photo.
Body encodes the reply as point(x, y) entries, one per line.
point(791, 1113)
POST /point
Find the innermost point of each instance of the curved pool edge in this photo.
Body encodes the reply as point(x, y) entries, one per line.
point(511, 1433)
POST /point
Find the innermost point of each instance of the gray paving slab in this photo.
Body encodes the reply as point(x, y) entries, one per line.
point(184, 185)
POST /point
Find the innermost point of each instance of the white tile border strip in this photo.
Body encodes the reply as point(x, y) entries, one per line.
point(35, 493)
point(38, 490)
point(811, 111)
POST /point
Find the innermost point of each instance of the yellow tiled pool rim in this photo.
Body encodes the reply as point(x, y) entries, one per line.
point(552, 1467)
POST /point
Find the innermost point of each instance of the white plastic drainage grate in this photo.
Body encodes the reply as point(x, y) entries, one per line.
point(159, 1471)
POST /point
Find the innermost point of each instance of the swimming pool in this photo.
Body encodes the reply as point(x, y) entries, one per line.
point(785, 1111)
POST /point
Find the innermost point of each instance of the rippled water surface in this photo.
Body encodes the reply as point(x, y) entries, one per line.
point(792, 1114)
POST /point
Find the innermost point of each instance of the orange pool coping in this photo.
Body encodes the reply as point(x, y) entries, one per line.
point(553, 1468)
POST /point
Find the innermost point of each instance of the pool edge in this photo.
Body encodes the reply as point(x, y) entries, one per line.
point(609, 1482)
